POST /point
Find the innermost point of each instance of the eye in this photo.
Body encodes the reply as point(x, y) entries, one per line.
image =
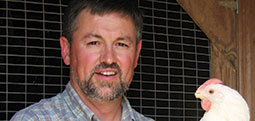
point(122, 45)
point(93, 43)
point(211, 91)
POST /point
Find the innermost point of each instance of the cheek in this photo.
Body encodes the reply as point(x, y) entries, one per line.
point(84, 63)
point(127, 65)
point(128, 60)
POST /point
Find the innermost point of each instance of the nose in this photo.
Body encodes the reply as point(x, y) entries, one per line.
point(108, 55)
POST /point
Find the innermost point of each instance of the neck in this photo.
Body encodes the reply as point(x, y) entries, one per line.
point(104, 111)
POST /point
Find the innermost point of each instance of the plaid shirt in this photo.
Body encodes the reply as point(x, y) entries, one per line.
point(68, 106)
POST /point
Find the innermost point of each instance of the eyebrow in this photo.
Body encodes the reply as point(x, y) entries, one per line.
point(92, 35)
point(127, 38)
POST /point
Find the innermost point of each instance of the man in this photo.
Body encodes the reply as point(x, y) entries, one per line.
point(101, 43)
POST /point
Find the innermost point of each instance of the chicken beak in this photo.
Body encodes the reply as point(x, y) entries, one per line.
point(198, 94)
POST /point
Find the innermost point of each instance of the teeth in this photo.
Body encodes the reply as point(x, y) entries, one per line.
point(108, 73)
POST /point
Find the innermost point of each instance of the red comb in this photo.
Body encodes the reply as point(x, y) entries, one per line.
point(210, 81)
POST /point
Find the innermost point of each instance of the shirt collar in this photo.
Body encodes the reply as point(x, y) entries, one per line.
point(81, 110)
point(127, 111)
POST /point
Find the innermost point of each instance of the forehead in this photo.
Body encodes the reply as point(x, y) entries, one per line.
point(111, 22)
point(87, 15)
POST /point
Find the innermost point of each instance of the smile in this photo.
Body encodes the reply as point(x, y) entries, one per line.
point(108, 73)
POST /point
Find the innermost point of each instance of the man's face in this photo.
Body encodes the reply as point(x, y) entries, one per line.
point(103, 55)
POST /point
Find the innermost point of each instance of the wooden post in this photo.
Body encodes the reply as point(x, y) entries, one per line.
point(246, 52)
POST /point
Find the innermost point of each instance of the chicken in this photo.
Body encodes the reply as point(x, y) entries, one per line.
point(221, 102)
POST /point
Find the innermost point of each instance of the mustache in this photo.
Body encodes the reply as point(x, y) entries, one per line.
point(105, 65)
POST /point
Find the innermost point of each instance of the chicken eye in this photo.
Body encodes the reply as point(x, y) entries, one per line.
point(211, 91)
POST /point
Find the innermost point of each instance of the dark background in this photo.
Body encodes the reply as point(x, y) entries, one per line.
point(174, 61)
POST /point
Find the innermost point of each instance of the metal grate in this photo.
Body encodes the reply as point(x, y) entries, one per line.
point(174, 59)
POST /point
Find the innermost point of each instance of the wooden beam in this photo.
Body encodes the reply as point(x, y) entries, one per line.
point(246, 52)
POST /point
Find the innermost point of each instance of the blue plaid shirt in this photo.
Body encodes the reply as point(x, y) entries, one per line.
point(68, 106)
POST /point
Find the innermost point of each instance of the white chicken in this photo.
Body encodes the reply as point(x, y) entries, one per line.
point(221, 102)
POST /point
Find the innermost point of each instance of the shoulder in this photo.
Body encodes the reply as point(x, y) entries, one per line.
point(24, 115)
point(42, 110)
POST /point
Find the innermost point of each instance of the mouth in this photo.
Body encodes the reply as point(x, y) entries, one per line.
point(107, 73)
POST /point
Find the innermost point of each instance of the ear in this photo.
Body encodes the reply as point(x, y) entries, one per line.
point(138, 49)
point(65, 49)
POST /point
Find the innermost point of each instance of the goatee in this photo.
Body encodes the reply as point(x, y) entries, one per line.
point(96, 91)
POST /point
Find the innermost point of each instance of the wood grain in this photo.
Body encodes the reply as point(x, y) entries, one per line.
point(246, 50)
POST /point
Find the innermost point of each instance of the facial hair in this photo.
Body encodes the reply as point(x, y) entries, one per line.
point(96, 92)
